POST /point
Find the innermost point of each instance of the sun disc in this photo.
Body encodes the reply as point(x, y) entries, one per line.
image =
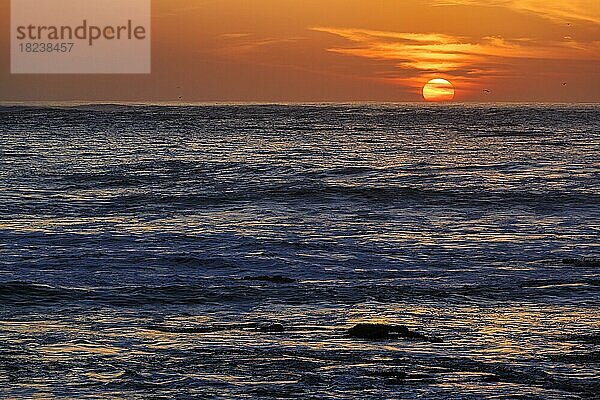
point(438, 90)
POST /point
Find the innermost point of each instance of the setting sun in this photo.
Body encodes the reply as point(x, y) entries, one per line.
point(438, 90)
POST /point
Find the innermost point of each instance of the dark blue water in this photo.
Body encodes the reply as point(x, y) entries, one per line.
point(138, 247)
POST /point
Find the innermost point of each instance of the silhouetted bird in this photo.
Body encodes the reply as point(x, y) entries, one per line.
point(487, 91)
point(564, 83)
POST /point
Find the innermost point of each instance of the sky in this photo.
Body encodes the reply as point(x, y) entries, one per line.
point(345, 51)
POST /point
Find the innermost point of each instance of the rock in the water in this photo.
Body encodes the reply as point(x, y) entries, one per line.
point(491, 379)
point(272, 279)
point(273, 328)
point(385, 331)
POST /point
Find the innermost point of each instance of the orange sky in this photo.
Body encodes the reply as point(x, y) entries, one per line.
point(347, 50)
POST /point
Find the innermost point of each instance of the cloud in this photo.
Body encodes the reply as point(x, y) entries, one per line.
point(238, 44)
point(472, 61)
point(234, 35)
point(558, 10)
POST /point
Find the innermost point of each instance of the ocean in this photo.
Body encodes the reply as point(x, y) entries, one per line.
point(225, 251)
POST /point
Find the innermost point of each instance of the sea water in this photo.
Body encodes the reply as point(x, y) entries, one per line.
point(148, 251)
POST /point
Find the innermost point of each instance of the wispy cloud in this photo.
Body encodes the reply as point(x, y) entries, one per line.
point(234, 35)
point(557, 10)
point(418, 55)
point(248, 43)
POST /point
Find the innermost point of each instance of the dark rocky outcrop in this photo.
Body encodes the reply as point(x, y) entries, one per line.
point(273, 328)
point(385, 331)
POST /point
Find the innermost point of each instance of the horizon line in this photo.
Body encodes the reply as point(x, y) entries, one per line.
point(74, 103)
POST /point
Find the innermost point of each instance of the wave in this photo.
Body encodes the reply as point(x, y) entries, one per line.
point(184, 198)
point(254, 291)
